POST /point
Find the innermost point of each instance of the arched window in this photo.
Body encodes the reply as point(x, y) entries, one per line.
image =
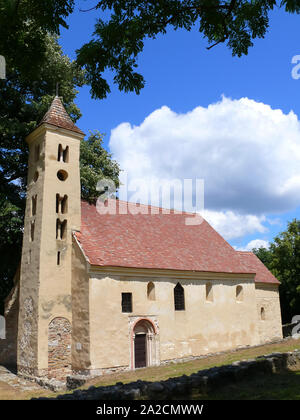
point(209, 292)
point(151, 291)
point(179, 298)
point(262, 313)
point(61, 204)
point(239, 293)
point(63, 154)
point(61, 229)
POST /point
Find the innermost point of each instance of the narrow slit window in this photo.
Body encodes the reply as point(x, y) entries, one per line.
point(64, 204)
point(126, 302)
point(179, 298)
point(66, 154)
point(58, 227)
point(151, 291)
point(35, 176)
point(262, 313)
point(63, 229)
point(209, 293)
point(58, 258)
point(57, 202)
point(59, 154)
point(32, 226)
point(33, 205)
point(239, 294)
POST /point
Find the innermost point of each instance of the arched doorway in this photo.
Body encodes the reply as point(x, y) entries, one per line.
point(59, 348)
point(144, 344)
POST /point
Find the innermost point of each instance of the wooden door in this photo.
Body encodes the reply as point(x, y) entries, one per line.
point(140, 350)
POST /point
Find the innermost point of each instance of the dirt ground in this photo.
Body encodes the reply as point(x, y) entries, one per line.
point(12, 387)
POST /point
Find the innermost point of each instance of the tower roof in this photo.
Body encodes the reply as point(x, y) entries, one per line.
point(58, 116)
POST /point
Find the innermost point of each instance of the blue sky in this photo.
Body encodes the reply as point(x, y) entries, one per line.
point(181, 74)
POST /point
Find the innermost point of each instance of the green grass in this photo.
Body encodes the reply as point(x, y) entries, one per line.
point(279, 386)
point(159, 373)
point(284, 385)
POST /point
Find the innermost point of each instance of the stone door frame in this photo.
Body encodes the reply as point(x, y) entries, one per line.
point(149, 326)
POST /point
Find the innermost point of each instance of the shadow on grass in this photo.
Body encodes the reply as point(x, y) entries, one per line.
point(284, 385)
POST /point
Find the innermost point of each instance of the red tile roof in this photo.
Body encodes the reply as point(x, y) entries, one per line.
point(58, 116)
point(157, 241)
point(252, 262)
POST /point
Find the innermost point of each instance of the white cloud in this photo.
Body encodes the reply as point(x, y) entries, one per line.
point(233, 225)
point(247, 153)
point(255, 243)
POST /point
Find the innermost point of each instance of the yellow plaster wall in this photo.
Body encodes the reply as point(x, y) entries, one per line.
point(80, 310)
point(204, 327)
point(267, 296)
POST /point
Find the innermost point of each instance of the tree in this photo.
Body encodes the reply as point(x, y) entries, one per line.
point(95, 163)
point(283, 259)
point(285, 266)
point(264, 255)
point(24, 100)
point(118, 41)
point(23, 28)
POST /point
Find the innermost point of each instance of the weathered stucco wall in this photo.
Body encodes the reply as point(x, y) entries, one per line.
point(203, 327)
point(268, 312)
point(80, 311)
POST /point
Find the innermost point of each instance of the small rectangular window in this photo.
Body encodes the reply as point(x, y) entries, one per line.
point(126, 302)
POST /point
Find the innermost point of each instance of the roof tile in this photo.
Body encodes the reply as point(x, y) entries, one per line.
point(58, 116)
point(157, 241)
point(252, 262)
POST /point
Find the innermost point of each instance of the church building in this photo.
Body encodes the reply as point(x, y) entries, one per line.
point(100, 292)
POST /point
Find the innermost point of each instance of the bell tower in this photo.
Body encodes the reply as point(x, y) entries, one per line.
point(52, 213)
